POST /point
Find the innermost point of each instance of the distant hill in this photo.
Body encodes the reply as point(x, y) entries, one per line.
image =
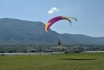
point(15, 31)
point(81, 39)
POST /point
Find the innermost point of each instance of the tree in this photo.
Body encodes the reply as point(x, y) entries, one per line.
point(2, 51)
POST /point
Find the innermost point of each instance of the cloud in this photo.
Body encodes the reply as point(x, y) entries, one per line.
point(52, 10)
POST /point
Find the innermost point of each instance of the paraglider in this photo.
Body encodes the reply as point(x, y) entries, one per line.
point(73, 18)
point(55, 19)
point(59, 43)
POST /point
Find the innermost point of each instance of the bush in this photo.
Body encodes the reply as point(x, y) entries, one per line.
point(76, 51)
point(2, 51)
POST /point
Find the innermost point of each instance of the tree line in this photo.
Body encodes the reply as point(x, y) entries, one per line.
point(49, 48)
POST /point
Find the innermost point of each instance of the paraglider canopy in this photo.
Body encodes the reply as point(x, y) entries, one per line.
point(53, 20)
point(73, 18)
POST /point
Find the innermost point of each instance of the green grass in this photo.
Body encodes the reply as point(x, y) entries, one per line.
point(80, 61)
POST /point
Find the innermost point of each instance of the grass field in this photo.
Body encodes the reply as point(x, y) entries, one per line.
point(79, 61)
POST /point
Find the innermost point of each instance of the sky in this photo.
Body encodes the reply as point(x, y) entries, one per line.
point(89, 13)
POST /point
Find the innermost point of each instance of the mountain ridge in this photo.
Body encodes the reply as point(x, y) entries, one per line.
point(29, 32)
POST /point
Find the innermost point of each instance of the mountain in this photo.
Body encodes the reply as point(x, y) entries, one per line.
point(16, 31)
point(81, 39)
